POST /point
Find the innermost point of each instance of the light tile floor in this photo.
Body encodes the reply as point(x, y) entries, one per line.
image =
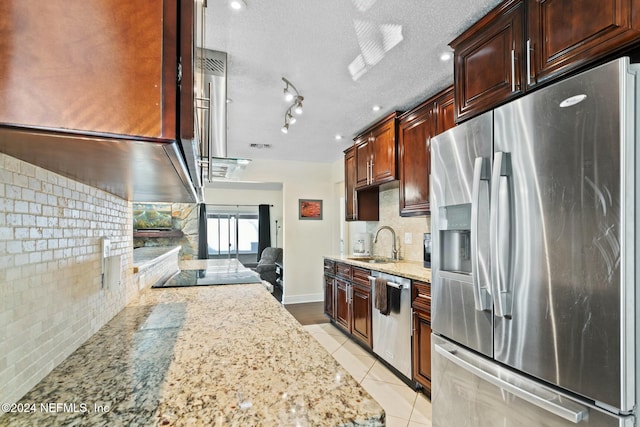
point(403, 406)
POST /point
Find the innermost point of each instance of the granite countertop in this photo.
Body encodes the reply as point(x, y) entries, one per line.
point(200, 356)
point(147, 256)
point(410, 269)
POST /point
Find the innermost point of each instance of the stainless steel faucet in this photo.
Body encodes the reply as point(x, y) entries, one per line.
point(394, 251)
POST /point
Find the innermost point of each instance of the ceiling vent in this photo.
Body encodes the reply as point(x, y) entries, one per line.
point(260, 146)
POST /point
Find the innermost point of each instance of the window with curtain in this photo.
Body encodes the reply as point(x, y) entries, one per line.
point(232, 234)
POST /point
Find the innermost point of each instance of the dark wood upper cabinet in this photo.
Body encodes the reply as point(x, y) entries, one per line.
point(565, 34)
point(110, 69)
point(445, 110)
point(415, 130)
point(383, 147)
point(488, 60)
point(360, 205)
point(99, 96)
point(522, 44)
point(376, 151)
point(362, 160)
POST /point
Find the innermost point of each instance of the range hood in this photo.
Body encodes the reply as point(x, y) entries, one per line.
point(213, 150)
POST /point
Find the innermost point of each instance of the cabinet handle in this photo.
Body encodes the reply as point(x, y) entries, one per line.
point(513, 70)
point(371, 172)
point(346, 295)
point(529, 52)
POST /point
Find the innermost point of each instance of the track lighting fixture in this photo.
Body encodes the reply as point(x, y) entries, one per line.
point(292, 95)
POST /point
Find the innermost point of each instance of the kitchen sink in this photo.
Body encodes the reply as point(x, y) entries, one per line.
point(371, 260)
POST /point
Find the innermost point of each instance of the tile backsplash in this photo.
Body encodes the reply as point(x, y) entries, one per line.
point(51, 294)
point(390, 215)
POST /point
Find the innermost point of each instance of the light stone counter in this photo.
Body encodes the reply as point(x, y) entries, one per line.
point(201, 356)
point(410, 269)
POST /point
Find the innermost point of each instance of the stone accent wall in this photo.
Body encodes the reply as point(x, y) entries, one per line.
point(184, 217)
point(51, 295)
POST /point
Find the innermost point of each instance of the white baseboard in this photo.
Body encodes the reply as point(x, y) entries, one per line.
point(299, 299)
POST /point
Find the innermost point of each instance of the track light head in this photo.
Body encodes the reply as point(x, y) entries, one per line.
point(291, 94)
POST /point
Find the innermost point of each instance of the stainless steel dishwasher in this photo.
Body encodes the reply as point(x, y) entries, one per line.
point(392, 332)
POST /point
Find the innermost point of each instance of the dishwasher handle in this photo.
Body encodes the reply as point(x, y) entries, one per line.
point(392, 284)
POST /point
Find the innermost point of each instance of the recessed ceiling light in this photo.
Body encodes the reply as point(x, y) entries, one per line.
point(338, 137)
point(237, 4)
point(445, 56)
point(376, 108)
point(229, 100)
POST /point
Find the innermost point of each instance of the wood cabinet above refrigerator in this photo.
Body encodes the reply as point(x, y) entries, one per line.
point(415, 130)
point(91, 90)
point(525, 43)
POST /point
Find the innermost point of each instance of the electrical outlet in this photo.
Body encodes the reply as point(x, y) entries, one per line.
point(408, 238)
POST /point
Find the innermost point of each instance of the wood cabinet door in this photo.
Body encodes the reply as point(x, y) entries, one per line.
point(488, 60)
point(350, 184)
point(414, 132)
point(422, 350)
point(109, 69)
point(445, 111)
point(383, 148)
point(363, 160)
point(329, 294)
point(361, 313)
point(565, 34)
point(342, 306)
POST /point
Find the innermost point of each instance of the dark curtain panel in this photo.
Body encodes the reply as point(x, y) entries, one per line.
point(203, 246)
point(264, 229)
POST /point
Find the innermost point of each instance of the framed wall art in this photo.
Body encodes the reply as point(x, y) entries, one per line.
point(310, 209)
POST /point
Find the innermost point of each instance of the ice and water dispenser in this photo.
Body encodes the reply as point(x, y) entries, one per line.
point(455, 238)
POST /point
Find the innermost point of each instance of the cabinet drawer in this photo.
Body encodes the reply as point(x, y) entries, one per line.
point(343, 270)
point(361, 276)
point(329, 267)
point(421, 297)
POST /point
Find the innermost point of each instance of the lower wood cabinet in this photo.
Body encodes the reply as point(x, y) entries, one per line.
point(361, 313)
point(343, 305)
point(329, 298)
point(422, 349)
point(348, 300)
point(421, 307)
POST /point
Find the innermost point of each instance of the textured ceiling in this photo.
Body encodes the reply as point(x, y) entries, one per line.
point(344, 56)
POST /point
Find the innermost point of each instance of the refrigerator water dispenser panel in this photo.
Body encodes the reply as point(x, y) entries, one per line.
point(455, 238)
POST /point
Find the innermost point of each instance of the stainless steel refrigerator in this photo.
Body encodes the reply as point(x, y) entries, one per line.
point(534, 280)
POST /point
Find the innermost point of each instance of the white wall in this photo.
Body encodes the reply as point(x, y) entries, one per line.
point(305, 242)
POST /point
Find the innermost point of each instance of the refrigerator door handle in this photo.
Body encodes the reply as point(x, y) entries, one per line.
point(535, 394)
point(500, 234)
point(481, 295)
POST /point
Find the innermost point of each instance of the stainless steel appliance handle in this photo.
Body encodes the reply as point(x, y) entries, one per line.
point(392, 284)
point(534, 394)
point(499, 229)
point(481, 297)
